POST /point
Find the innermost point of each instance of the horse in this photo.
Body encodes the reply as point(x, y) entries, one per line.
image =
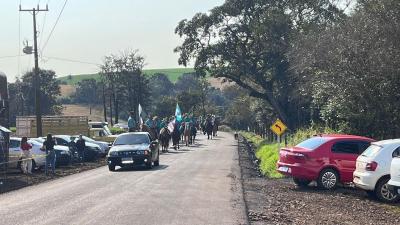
point(187, 133)
point(209, 129)
point(176, 137)
point(165, 137)
point(215, 127)
point(149, 130)
point(193, 133)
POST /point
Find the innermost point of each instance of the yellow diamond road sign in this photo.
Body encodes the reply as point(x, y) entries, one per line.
point(278, 127)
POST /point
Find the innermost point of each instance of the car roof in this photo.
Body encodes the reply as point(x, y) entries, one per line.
point(347, 136)
point(387, 142)
point(146, 133)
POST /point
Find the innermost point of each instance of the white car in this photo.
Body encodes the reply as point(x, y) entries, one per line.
point(372, 172)
point(395, 175)
point(38, 156)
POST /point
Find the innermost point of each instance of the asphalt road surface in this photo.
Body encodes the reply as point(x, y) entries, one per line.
point(197, 185)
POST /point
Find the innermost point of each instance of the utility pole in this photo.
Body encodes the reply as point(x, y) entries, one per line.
point(36, 78)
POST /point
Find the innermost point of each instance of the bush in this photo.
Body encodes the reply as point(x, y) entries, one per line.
point(13, 129)
point(116, 130)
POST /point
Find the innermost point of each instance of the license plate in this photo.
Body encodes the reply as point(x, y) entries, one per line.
point(127, 160)
point(284, 169)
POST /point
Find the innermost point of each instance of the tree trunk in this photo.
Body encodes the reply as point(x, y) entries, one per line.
point(111, 111)
point(116, 106)
point(104, 105)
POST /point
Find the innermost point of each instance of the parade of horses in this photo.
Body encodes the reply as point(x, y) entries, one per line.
point(180, 129)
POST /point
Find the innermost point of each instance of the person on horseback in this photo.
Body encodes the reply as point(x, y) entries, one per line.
point(131, 122)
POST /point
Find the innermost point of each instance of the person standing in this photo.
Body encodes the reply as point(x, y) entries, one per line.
point(26, 156)
point(131, 122)
point(48, 145)
point(81, 145)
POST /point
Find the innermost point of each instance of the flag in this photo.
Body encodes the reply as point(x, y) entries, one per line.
point(141, 114)
point(178, 113)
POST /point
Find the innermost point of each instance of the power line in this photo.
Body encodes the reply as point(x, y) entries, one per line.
point(11, 56)
point(71, 60)
point(54, 27)
point(43, 24)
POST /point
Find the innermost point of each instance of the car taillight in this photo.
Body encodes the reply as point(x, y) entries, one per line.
point(297, 155)
point(371, 166)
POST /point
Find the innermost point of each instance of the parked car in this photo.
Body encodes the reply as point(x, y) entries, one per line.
point(104, 147)
point(394, 182)
point(15, 154)
point(91, 153)
point(63, 153)
point(327, 159)
point(134, 149)
point(373, 170)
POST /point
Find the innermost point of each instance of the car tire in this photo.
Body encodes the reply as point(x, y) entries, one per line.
point(149, 165)
point(383, 192)
point(111, 167)
point(371, 194)
point(328, 179)
point(301, 182)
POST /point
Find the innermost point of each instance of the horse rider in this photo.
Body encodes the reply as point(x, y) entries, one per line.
point(131, 122)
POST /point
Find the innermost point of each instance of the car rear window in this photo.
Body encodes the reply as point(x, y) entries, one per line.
point(312, 143)
point(371, 150)
point(132, 139)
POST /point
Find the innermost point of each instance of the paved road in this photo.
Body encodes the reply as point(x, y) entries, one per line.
point(198, 185)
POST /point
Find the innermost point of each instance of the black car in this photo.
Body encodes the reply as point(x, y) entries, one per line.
point(92, 151)
point(134, 149)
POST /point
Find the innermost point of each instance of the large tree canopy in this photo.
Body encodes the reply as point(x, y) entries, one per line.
point(246, 41)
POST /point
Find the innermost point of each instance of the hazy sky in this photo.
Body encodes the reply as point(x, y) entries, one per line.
point(90, 29)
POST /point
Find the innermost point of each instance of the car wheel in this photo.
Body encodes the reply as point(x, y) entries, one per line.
point(301, 182)
point(111, 167)
point(149, 165)
point(371, 194)
point(384, 193)
point(328, 179)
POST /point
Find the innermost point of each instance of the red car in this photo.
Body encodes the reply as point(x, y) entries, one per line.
point(327, 159)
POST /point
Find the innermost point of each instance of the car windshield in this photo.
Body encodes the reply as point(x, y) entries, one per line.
point(313, 143)
point(132, 139)
point(371, 150)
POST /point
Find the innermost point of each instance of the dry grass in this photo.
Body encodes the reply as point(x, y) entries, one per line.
point(67, 90)
point(83, 110)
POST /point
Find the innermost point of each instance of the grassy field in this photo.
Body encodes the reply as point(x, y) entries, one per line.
point(173, 75)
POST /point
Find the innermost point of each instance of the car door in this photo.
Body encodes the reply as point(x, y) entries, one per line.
point(14, 153)
point(344, 155)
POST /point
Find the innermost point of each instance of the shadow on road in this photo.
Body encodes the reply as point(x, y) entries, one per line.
point(141, 168)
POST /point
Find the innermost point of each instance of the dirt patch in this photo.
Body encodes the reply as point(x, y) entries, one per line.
point(67, 90)
point(83, 110)
point(16, 180)
point(279, 201)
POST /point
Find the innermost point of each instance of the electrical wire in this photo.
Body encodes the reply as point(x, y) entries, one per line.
point(19, 41)
point(54, 26)
point(71, 60)
point(43, 24)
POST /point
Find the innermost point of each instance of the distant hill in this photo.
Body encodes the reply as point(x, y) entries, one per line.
point(173, 75)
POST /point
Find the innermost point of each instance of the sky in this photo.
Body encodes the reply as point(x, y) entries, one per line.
point(88, 30)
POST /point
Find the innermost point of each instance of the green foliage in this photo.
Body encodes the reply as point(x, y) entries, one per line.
point(13, 129)
point(88, 91)
point(116, 130)
point(305, 133)
point(268, 154)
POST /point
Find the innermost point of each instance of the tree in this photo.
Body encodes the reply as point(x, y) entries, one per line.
point(125, 81)
point(247, 41)
point(350, 70)
point(49, 89)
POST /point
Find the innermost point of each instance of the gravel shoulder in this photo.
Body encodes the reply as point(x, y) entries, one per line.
point(279, 201)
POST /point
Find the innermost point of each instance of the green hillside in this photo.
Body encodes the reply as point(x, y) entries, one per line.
point(173, 75)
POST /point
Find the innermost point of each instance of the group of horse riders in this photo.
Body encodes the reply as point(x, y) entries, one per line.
point(176, 129)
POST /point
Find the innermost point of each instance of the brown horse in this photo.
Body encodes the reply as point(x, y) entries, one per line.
point(187, 133)
point(165, 137)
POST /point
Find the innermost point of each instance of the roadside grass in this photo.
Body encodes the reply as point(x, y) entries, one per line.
point(268, 153)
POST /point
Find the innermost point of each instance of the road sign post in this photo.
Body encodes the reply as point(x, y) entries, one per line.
point(279, 128)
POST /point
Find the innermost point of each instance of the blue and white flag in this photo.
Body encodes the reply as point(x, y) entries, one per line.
point(178, 113)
